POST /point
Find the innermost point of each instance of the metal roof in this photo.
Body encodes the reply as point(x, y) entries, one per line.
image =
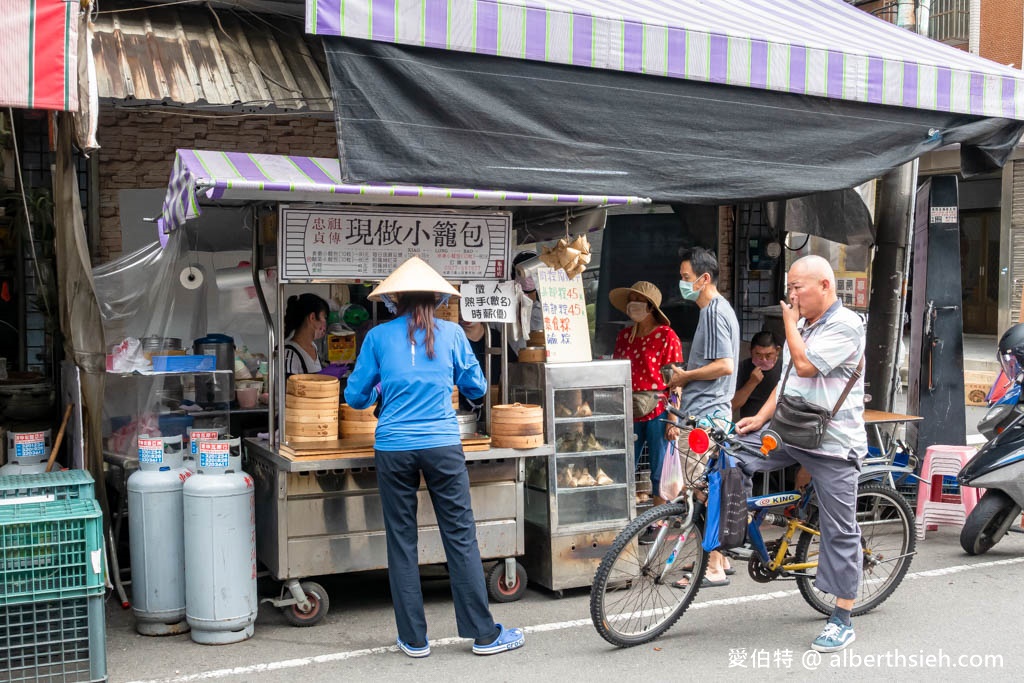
point(202, 57)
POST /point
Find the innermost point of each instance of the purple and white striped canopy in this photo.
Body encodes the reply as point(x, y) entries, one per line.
point(824, 48)
point(199, 174)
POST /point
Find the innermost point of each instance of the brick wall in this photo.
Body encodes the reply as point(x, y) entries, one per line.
point(1002, 24)
point(137, 151)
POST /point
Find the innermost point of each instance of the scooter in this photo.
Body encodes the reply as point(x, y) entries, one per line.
point(999, 468)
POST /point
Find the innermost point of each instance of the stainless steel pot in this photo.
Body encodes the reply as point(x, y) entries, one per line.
point(219, 389)
point(467, 422)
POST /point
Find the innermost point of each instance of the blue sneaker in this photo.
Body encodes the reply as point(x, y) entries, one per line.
point(414, 652)
point(834, 637)
point(508, 639)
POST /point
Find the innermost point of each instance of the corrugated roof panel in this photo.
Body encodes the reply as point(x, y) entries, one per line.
point(208, 58)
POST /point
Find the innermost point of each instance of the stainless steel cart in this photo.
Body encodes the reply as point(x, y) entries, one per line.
point(321, 517)
point(589, 419)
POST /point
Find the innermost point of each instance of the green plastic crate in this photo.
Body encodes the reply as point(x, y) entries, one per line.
point(53, 641)
point(63, 485)
point(51, 551)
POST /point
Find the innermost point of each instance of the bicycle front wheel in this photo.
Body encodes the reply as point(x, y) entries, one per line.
point(648, 578)
point(888, 538)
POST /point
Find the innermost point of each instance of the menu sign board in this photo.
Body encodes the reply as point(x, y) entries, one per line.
point(566, 333)
point(488, 302)
point(368, 244)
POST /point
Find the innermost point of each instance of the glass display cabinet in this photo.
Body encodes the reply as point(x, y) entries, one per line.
point(579, 498)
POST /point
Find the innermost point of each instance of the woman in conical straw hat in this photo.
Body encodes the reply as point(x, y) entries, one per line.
point(648, 345)
point(408, 365)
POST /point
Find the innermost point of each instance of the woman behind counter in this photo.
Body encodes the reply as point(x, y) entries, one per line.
point(305, 321)
point(408, 364)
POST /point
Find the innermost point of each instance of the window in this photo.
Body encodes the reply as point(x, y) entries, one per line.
point(949, 22)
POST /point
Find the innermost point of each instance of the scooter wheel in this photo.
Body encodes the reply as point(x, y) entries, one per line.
point(988, 522)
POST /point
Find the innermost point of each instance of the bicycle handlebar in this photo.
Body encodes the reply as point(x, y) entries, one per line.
point(719, 436)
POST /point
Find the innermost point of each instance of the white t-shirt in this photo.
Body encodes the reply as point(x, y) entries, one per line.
point(297, 361)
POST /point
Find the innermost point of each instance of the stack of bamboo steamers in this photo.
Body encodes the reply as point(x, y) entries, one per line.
point(311, 408)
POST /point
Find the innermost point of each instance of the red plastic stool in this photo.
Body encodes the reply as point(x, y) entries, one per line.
point(933, 507)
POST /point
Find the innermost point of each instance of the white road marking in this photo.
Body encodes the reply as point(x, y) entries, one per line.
point(539, 628)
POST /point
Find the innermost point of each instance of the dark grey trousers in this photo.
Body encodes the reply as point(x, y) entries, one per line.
point(840, 564)
point(444, 471)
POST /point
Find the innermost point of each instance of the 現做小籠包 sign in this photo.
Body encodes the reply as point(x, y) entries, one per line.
point(360, 244)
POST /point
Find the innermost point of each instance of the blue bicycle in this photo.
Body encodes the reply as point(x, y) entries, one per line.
point(646, 581)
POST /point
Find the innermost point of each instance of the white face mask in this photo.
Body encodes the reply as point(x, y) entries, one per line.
point(637, 310)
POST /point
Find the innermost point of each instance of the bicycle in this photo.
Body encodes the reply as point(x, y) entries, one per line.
point(635, 596)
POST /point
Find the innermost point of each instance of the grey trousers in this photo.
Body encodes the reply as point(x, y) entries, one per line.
point(840, 564)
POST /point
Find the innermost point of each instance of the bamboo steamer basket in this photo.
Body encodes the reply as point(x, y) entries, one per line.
point(455, 398)
point(536, 338)
point(357, 428)
point(324, 430)
point(449, 311)
point(357, 422)
point(300, 416)
point(517, 425)
point(306, 403)
point(314, 386)
point(350, 414)
point(532, 354)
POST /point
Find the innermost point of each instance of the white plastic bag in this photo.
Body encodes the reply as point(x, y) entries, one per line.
point(672, 482)
point(128, 357)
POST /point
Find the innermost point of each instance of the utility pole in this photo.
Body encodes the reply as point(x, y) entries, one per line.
point(894, 219)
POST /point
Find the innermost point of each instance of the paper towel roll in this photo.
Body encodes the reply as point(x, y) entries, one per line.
point(239, 278)
point(191, 277)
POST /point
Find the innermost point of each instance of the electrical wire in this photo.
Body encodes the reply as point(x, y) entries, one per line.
point(806, 240)
point(40, 285)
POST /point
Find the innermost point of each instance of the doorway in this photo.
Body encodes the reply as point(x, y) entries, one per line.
point(979, 270)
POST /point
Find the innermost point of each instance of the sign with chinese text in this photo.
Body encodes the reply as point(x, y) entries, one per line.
point(488, 302)
point(944, 214)
point(566, 334)
point(852, 289)
point(355, 244)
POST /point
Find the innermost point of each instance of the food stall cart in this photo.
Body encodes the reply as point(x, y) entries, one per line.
point(317, 506)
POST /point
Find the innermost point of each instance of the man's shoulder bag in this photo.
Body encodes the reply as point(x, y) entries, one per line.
point(801, 423)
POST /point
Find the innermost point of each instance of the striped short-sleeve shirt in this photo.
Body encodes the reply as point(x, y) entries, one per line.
point(835, 346)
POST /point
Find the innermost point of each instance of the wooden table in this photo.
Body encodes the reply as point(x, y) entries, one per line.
point(875, 420)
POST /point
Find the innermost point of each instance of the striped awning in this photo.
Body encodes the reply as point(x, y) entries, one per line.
point(824, 48)
point(210, 175)
point(39, 54)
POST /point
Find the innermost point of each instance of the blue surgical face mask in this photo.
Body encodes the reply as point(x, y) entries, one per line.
point(687, 291)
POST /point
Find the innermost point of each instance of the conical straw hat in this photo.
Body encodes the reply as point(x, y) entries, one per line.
point(415, 275)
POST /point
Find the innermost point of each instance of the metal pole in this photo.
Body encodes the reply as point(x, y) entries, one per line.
point(888, 284)
point(257, 263)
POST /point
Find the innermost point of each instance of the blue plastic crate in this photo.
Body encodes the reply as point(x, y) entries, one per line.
point(54, 640)
point(193, 363)
point(16, 489)
point(51, 551)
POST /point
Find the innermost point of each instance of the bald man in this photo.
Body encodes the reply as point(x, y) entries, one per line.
point(823, 354)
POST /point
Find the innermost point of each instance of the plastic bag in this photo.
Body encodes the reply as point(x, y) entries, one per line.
point(128, 357)
point(672, 481)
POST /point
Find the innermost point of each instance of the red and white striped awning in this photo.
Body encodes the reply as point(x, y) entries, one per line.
point(38, 54)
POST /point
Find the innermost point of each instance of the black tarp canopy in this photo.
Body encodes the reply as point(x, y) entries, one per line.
point(680, 101)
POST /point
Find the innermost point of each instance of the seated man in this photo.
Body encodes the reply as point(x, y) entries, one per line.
point(758, 375)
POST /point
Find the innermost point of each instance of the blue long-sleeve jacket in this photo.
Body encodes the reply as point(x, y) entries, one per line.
point(416, 392)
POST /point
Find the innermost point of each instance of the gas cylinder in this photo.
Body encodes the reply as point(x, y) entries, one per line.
point(220, 545)
point(157, 537)
point(26, 452)
point(195, 435)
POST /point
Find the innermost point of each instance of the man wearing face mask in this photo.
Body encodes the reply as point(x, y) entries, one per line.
point(709, 381)
point(648, 344)
point(758, 375)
